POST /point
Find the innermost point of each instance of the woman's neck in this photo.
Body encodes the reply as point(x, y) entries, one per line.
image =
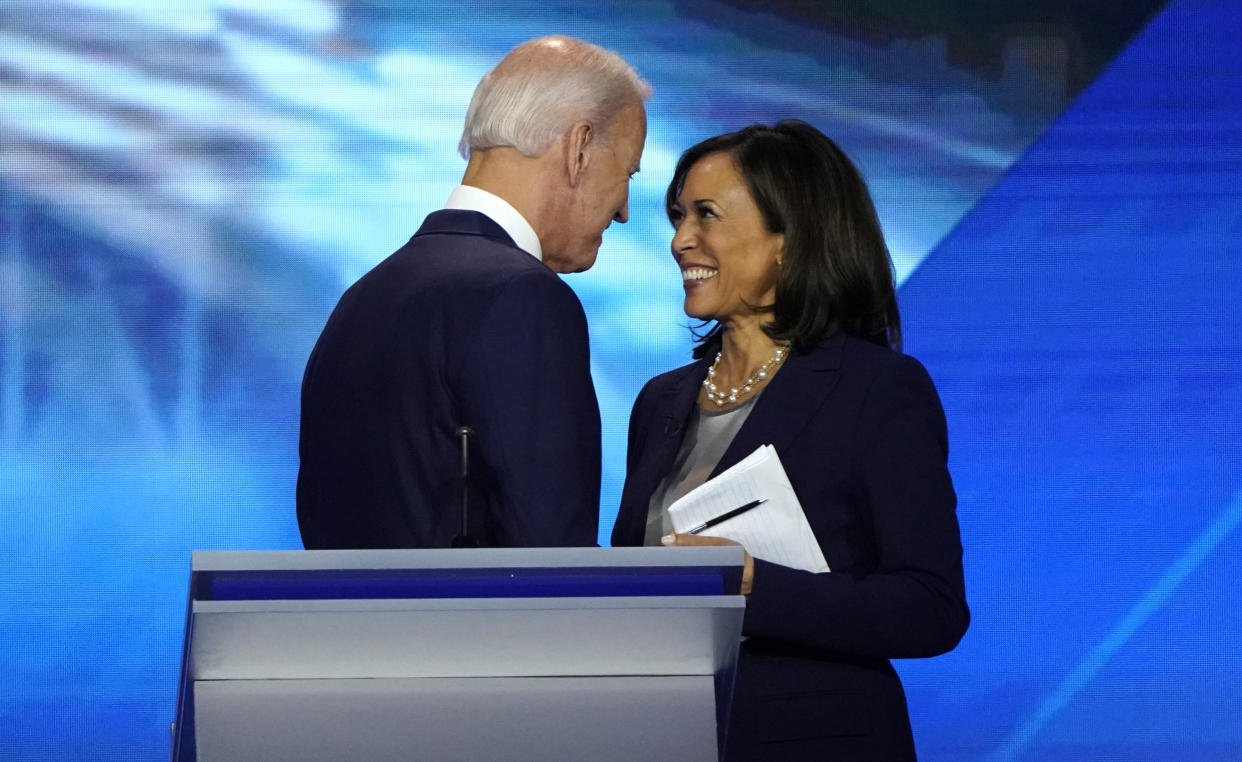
point(744, 347)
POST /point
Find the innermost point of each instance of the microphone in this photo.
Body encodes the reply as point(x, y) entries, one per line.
point(464, 540)
point(672, 427)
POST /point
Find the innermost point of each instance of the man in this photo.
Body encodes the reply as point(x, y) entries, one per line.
point(468, 325)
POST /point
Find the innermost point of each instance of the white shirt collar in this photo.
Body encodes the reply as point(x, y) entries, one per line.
point(501, 212)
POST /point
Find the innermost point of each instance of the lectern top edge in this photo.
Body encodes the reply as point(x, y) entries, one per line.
point(482, 558)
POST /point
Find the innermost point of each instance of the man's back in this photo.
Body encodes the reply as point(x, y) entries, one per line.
point(459, 327)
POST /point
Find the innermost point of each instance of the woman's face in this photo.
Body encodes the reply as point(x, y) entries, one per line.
point(728, 258)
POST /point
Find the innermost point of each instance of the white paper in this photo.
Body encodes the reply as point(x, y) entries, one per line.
point(775, 531)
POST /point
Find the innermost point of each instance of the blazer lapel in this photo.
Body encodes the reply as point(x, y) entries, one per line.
point(666, 424)
point(673, 412)
point(787, 403)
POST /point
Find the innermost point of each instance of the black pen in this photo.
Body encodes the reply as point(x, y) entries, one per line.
point(726, 516)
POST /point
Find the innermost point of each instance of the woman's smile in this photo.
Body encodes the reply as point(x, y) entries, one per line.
point(692, 275)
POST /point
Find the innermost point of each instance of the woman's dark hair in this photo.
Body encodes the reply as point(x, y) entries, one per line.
point(836, 274)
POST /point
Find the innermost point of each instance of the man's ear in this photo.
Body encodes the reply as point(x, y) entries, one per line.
point(577, 157)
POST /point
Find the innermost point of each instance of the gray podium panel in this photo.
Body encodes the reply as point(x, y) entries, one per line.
point(510, 637)
point(542, 719)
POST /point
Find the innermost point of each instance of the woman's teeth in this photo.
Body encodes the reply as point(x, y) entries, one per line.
point(697, 273)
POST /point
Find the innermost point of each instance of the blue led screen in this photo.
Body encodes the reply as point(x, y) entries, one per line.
point(186, 189)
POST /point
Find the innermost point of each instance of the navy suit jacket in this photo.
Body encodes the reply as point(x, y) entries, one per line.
point(458, 327)
point(862, 436)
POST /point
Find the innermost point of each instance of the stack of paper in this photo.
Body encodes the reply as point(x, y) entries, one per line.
point(776, 531)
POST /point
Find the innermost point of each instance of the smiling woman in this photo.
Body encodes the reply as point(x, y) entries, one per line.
point(779, 245)
point(728, 257)
point(791, 187)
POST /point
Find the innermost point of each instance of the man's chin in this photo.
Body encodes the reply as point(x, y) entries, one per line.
point(566, 268)
point(587, 260)
point(582, 261)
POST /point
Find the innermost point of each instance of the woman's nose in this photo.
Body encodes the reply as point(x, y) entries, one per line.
point(683, 238)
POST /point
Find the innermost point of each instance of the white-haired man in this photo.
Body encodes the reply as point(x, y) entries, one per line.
point(468, 325)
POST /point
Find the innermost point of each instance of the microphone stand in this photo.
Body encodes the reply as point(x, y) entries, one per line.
point(464, 540)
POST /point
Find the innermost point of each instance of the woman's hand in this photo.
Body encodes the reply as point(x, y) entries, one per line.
point(748, 569)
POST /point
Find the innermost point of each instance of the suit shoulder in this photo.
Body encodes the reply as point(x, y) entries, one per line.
point(883, 362)
point(667, 379)
point(893, 386)
point(471, 251)
point(456, 263)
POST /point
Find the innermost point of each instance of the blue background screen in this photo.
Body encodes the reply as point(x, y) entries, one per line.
point(187, 188)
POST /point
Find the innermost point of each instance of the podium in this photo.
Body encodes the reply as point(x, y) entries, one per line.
point(480, 654)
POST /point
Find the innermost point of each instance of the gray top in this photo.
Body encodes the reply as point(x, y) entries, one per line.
point(708, 434)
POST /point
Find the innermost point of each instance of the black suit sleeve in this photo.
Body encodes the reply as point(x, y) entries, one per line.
point(913, 604)
point(526, 389)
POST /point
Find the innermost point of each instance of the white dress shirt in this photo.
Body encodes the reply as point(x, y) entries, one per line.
point(499, 211)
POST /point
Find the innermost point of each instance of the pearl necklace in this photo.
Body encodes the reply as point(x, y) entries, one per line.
point(760, 374)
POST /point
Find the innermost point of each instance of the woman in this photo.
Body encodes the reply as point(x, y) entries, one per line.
point(779, 246)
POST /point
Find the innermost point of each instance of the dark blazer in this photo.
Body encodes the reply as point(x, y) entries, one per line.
point(861, 434)
point(458, 327)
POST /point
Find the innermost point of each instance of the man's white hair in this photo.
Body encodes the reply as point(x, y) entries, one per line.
point(542, 87)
